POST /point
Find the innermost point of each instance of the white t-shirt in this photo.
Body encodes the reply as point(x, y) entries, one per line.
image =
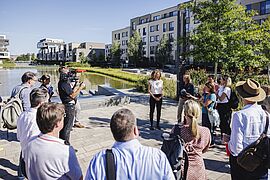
point(156, 86)
point(225, 90)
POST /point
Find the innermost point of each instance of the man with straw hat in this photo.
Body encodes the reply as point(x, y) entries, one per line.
point(247, 125)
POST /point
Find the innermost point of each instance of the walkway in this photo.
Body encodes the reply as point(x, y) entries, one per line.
point(97, 136)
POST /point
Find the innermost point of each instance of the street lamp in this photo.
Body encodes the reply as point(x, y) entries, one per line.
point(180, 74)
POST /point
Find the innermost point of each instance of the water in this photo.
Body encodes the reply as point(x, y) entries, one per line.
point(9, 78)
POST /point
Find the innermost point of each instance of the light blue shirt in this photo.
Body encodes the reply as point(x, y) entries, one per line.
point(247, 126)
point(212, 97)
point(133, 161)
point(24, 96)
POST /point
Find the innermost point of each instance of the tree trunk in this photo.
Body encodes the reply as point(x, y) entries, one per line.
point(215, 70)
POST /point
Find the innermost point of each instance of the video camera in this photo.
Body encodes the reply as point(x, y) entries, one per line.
point(69, 76)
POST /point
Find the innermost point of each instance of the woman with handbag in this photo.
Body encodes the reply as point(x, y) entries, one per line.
point(247, 126)
point(209, 112)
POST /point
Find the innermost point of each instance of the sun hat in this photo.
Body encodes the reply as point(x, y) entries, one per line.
point(250, 90)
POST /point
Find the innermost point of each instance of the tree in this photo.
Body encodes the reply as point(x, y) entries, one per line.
point(82, 58)
point(33, 57)
point(164, 50)
point(226, 34)
point(135, 49)
point(116, 53)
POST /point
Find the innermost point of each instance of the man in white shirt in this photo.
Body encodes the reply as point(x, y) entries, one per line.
point(247, 125)
point(27, 127)
point(47, 156)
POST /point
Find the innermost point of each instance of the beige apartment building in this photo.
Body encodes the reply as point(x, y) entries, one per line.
point(122, 37)
point(152, 28)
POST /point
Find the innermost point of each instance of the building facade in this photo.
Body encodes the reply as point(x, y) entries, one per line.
point(108, 53)
point(152, 28)
point(51, 49)
point(122, 36)
point(57, 50)
point(261, 6)
point(4, 42)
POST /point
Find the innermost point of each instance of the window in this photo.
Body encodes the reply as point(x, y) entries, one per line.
point(152, 49)
point(123, 34)
point(248, 7)
point(171, 37)
point(152, 38)
point(187, 13)
point(123, 43)
point(157, 27)
point(115, 37)
point(144, 32)
point(144, 40)
point(165, 15)
point(156, 18)
point(118, 36)
point(171, 26)
point(152, 28)
point(133, 26)
point(126, 42)
point(157, 37)
point(265, 7)
point(173, 13)
point(187, 27)
point(164, 27)
point(142, 21)
point(127, 34)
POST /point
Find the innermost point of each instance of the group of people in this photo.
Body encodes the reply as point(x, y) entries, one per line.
point(44, 127)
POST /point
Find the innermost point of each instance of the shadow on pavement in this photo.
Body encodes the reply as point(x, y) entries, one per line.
point(7, 164)
point(215, 165)
point(143, 126)
point(10, 136)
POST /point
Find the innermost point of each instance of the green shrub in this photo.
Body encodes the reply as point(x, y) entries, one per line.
point(199, 77)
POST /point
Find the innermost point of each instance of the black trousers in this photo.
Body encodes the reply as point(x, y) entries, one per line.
point(225, 113)
point(158, 104)
point(68, 122)
point(238, 173)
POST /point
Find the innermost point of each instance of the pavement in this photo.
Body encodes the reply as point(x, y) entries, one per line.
point(97, 136)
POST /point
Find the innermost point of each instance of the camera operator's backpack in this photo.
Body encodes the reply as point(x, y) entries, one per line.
point(233, 101)
point(12, 110)
point(174, 148)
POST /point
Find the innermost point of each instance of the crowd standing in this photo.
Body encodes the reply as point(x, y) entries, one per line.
point(44, 128)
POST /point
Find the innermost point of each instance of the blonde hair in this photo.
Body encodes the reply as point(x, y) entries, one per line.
point(187, 76)
point(157, 71)
point(193, 110)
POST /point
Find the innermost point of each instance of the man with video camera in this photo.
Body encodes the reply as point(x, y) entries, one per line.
point(68, 96)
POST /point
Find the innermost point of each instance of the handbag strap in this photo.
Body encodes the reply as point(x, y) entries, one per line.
point(267, 123)
point(110, 165)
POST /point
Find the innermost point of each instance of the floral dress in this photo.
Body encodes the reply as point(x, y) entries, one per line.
point(195, 148)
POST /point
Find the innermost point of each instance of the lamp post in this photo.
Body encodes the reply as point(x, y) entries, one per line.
point(180, 74)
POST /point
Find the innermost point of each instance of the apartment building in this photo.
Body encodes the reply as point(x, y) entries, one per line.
point(51, 49)
point(91, 50)
point(122, 37)
point(261, 6)
point(4, 53)
point(57, 50)
point(152, 28)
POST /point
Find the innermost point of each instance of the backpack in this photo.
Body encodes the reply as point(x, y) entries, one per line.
point(174, 148)
point(12, 110)
point(233, 101)
point(257, 154)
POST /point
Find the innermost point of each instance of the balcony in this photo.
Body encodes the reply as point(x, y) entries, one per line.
point(4, 42)
point(4, 55)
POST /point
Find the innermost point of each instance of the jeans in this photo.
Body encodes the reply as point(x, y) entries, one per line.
point(154, 103)
point(238, 173)
point(68, 122)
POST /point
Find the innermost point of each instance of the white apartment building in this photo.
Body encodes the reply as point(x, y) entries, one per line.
point(4, 42)
point(51, 49)
point(122, 37)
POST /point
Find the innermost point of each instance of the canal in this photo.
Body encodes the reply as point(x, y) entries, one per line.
point(11, 77)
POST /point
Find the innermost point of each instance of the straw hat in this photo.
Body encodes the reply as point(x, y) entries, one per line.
point(250, 90)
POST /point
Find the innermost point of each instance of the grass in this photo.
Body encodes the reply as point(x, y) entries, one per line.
point(8, 65)
point(141, 81)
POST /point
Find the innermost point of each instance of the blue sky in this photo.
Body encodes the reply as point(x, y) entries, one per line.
point(25, 22)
